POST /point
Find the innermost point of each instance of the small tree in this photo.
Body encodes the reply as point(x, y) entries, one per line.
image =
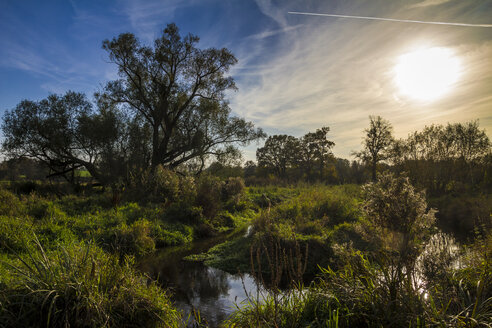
point(400, 220)
point(394, 206)
point(376, 144)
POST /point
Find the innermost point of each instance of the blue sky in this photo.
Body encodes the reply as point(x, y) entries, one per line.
point(295, 73)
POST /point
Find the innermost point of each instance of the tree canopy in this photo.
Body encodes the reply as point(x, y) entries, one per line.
point(179, 91)
point(167, 108)
point(65, 132)
point(439, 156)
point(308, 155)
point(379, 137)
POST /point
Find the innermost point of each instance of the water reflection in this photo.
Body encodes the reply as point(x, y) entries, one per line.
point(212, 291)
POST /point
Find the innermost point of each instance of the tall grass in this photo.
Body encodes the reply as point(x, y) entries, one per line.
point(80, 286)
point(393, 283)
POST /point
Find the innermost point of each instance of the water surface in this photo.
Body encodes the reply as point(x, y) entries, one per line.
point(215, 293)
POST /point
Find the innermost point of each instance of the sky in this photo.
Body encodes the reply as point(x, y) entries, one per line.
point(295, 73)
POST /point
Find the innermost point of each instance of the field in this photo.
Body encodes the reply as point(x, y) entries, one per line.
point(323, 257)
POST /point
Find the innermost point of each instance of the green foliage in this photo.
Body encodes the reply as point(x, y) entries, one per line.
point(394, 204)
point(15, 233)
point(379, 138)
point(209, 195)
point(309, 157)
point(399, 213)
point(361, 293)
point(80, 286)
point(319, 206)
point(171, 234)
point(129, 239)
point(264, 197)
point(233, 187)
point(10, 205)
point(41, 208)
point(462, 214)
point(400, 276)
point(446, 159)
point(65, 133)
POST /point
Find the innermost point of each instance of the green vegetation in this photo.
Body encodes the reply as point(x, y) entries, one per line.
point(403, 275)
point(89, 187)
point(79, 286)
point(69, 261)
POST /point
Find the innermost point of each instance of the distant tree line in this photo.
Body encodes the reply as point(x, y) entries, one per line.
point(309, 157)
point(287, 159)
point(445, 158)
point(440, 158)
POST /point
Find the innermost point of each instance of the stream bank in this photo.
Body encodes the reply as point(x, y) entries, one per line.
point(195, 286)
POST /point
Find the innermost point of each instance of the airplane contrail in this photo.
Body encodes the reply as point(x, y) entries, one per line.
point(390, 19)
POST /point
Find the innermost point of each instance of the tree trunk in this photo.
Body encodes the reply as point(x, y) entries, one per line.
point(374, 166)
point(155, 147)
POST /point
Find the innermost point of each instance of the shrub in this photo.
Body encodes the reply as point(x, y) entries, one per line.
point(171, 235)
point(209, 195)
point(233, 187)
point(161, 185)
point(184, 213)
point(165, 184)
point(40, 208)
point(398, 213)
point(130, 239)
point(10, 205)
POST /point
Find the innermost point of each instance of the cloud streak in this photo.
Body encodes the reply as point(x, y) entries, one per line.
point(391, 19)
point(337, 73)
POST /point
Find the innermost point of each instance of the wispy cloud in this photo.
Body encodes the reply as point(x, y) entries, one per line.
point(278, 14)
point(269, 33)
point(412, 21)
point(146, 16)
point(42, 55)
point(427, 3)
point(337, 73)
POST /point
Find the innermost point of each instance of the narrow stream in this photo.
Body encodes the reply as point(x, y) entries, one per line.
point(215, 293)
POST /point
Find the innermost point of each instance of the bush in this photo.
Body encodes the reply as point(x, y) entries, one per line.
point(399, 217)
point(160, 186)
point(40, 208)
point(171, 235)
point(133, 239)
point(165, 184)
point(10, 205)
point(209, 195)
point(233, 188)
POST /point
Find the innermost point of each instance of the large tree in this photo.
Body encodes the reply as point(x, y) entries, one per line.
point(279, 153)
point(379, 137)
point(179, 91)
point(315, 152)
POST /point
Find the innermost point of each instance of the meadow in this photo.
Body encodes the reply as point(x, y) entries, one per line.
point(322, 256)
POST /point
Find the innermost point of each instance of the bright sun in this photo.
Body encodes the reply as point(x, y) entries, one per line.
point(427, 74)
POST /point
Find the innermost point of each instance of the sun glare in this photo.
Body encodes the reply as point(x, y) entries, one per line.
point(427, 74)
